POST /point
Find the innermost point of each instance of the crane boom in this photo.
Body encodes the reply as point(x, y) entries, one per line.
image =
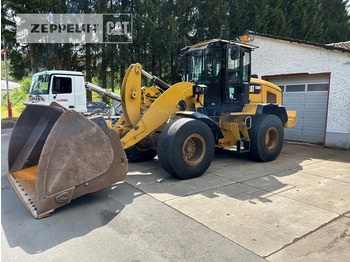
point(102, 91)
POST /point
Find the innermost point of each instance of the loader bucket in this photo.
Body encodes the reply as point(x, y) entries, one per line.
point(56, 155)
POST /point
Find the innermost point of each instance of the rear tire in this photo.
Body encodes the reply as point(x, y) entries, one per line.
point(139, 153)
point(186, 148)
point(266, 137)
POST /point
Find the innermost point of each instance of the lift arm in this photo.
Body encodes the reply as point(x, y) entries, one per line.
point(140, 124)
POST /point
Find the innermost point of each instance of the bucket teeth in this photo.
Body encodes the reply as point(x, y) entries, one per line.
point(57, 155)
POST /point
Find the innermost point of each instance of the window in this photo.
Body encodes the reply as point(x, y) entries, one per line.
point(62, 85)
point(233, 68)
point(194, 66)
point(40, 84)
point(234, 77)
point(317, 87)
point(246, 67)
point(203, 66)
point(295, 88)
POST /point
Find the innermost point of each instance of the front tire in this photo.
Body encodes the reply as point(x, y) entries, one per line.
point(186, 148)
point(266, 137)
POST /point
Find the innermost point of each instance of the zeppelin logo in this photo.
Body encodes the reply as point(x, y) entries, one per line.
point(62, 100)
point(74, 28)
point(59, 28)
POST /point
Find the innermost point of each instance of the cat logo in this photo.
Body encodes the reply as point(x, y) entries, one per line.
point(118, 28)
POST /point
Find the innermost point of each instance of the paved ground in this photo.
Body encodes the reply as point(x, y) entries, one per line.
point(296, 208)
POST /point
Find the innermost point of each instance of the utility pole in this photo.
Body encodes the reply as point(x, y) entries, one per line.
point(9, 110)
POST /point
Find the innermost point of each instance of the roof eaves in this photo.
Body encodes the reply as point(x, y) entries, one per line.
point(293, 40)
point(204, 43)
point(345, 45)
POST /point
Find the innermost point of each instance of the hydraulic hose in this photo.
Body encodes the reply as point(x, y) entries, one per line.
point(155, 80)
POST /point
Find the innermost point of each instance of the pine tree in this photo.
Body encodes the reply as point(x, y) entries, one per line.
point(304, 20)
point(336, 20)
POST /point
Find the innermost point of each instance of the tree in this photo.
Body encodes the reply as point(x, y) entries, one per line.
point(162, 28)
point(304, 19)
point(336, 25)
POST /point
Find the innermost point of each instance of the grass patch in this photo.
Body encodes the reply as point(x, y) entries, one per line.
point(16, 111)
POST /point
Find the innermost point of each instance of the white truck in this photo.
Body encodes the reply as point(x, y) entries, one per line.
point(67, 88)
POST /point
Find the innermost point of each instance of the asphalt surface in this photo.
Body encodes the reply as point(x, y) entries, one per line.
point(295, 208)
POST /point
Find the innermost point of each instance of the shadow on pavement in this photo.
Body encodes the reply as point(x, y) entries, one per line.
point(230, 168)
point(76, 219)
point(227, 175)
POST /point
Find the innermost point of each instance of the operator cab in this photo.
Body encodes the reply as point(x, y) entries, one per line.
point(225, 68)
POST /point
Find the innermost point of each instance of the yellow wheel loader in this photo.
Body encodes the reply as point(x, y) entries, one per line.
point(56, 155)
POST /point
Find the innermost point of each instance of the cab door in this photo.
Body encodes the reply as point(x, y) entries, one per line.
point(237, 75)
point(61, 91)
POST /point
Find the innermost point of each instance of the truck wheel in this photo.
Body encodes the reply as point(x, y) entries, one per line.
point(140, 153)
point(266, 137)
point(186, 148)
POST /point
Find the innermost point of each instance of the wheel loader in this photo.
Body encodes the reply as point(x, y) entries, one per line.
point(56, 154)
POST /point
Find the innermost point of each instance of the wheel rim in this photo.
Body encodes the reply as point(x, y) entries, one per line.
point(193, 149)
point(142, 145)
point(271, 138)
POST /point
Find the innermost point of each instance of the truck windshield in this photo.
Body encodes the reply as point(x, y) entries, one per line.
point(40, 84)
point(203, 66)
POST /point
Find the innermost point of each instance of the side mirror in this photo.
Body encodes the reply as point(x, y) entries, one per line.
point(235, 51)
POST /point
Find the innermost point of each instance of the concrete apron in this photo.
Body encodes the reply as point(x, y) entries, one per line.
point(295, 208)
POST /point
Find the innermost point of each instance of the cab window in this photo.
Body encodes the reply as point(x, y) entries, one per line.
point(246, 67)
point(203, 66)
point(40, 84)
point(62, 85)
point(233, 77)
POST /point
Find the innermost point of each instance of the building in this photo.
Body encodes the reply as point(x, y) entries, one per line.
point(315, 80)
point(12, 86)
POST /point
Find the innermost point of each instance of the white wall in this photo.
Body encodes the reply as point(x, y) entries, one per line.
point(277, 57)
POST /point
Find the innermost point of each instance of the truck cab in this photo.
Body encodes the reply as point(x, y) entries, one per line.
point(64, 87)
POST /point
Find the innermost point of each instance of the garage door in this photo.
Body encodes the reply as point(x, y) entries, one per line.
point(308, 96)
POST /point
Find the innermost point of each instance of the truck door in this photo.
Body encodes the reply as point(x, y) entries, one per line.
point(62, 91)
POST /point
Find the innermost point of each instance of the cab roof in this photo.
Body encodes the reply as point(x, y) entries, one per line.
point(59, 72)
point(205, 43)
